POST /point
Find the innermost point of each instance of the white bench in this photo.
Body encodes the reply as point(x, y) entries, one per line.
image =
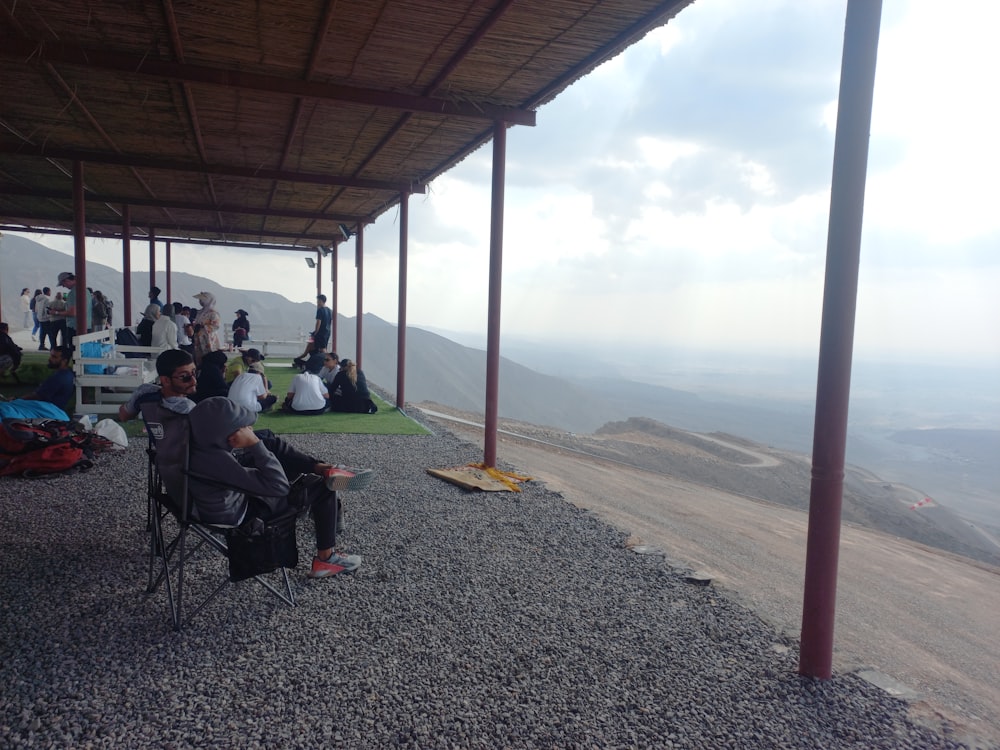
point(107, 391)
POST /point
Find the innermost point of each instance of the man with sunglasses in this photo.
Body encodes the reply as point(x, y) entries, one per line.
point(178, 381)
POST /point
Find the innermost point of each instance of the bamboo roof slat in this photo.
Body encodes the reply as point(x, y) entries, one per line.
point(474, 53)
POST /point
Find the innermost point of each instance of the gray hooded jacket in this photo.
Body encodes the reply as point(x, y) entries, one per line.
point(219, 484)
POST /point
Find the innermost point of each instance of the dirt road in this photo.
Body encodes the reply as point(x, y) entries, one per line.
point(924, 617)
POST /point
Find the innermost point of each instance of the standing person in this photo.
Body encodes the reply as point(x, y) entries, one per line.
point(306, 393)
point(68, 281)
point(164, 332)
point(42, 302)
point(321, 332)
point(36, 323)
point(182, 318)
point(57, 321)
point(26, 309)
point(185, 329)
point(241, 328)
point(350, 391)
point(99, 312)
point(144, 331)
point(154, 298)
point(207, 324)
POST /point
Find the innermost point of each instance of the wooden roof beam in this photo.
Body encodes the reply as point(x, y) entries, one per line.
point(213, 234)
point(117, 235)
point(36, 51)
point(181, 205)
point(126, 160)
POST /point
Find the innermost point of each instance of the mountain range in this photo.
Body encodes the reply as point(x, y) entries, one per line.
point(955, 466)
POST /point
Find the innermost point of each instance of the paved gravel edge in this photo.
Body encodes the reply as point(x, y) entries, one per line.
point(478, 620)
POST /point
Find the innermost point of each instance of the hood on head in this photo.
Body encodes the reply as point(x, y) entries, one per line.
point(215, 419)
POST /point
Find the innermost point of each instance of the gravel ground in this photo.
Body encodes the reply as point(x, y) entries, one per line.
point(477, 620)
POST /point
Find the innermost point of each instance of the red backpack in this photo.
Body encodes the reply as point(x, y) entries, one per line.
point(33, 447)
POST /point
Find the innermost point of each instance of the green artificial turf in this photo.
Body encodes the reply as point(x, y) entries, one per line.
point(387, 421)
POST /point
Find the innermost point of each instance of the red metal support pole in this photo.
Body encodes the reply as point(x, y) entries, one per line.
point(843, 252)
point(319, 273)
point(169, 296)
point(496, 275)
point(126, 309)
point(333, 295)
point(79, 250)
point(152, 260)
point(359, 264)
point(404, 237)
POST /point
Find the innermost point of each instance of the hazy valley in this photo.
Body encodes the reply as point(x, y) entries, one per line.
point(933, 427)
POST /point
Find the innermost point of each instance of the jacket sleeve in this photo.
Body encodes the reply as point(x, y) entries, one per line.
point(259, 475)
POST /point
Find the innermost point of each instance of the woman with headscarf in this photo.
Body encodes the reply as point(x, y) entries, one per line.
point(241, 328)
point(206, 327)
point(99, 312)
point(144, 330)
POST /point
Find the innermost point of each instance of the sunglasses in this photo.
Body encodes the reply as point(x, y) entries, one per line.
point(186, 377)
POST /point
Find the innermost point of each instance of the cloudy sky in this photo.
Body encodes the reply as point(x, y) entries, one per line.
point(680, 195)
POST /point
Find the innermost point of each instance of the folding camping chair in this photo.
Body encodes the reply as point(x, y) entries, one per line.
point(172, 520)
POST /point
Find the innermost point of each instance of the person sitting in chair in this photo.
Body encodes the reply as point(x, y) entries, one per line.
point(177, 383)
point(227, 488)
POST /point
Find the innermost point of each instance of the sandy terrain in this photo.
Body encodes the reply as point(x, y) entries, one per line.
point(924, 617)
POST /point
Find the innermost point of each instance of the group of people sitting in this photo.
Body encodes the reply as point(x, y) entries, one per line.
point(325, 384)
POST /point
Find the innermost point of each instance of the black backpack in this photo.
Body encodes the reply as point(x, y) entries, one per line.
point(126, 337)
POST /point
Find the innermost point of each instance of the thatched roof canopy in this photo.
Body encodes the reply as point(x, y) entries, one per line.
point(273, 122)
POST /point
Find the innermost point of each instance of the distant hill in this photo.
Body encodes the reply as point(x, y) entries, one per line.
point(955, 467)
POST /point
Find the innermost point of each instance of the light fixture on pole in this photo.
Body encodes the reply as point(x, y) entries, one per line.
point(347, 233)
point(310, 262)
point(325, 249)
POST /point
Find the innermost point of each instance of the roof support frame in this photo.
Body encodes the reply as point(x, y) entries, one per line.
point(840, 293)
point(493, 305)
point(183, 205)
point(40, 51)
point(225, 170)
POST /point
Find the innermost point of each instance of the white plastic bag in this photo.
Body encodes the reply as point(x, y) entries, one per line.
point(113, 431)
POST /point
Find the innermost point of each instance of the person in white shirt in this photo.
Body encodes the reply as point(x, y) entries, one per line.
point(164, 333)
point(182, 318)
point(307, 394)
point(248, 390)
point(42, 302)
point(26, 308)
